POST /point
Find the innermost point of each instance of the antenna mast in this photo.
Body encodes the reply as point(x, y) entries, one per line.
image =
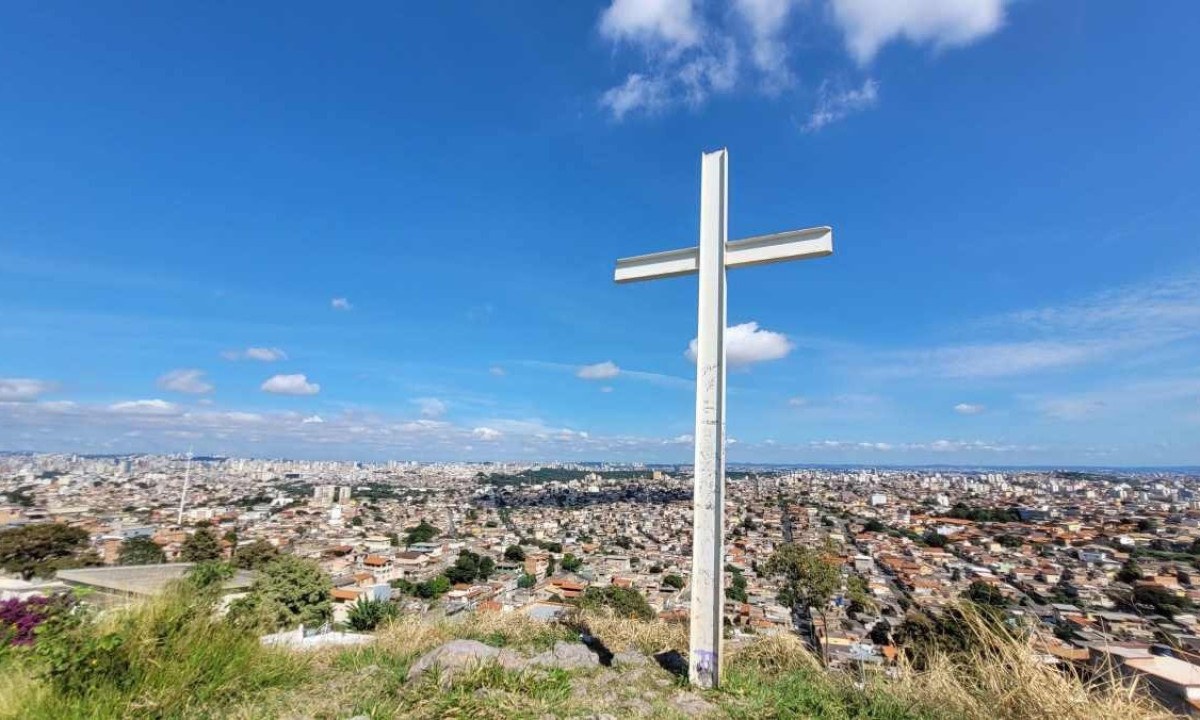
point(187, 474)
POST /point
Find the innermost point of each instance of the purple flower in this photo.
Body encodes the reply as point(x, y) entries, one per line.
point(19, 618)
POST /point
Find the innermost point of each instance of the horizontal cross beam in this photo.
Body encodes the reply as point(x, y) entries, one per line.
point(759, 250)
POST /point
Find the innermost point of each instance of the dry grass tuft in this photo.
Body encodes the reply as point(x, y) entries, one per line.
point(620, 634)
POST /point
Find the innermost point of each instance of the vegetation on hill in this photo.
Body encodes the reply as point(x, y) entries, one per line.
point(175, 658)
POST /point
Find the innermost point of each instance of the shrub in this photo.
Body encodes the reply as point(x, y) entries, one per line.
point(20, 618)
point(368, 614)
point(624, 602)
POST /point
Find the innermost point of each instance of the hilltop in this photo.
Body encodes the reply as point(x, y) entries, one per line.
point(172, 658)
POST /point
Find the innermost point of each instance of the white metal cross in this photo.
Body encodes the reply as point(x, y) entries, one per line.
point(710, 260)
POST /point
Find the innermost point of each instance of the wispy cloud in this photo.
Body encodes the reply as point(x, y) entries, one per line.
point(340, 303)
point(261, 354)
point(968, 408)
point(599, 371)
point(189, 380)
point(23, 389)
point(430, 407)
point(691, 50)
point(834, 103)
point(1116, 323)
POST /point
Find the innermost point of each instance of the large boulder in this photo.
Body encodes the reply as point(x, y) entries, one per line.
point(464, 655)
point(567, 656)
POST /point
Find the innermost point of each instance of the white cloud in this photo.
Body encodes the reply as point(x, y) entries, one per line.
point(599, 371)
point(312, 419)
point(23, 389)
point(189, 381)
point(868, 25)
point(430, 407)
point(262, 354)
point(968, 409)
point(798, 401)
point(639, 93)
point(766, 20)
point(835, 104)
point(672, 24)
point(606, 389)
point(296, 384)
point(497, 371)
point(486, 434)
point(746, 344)
point(340, 303)
point(686, 63)
point(145, 407)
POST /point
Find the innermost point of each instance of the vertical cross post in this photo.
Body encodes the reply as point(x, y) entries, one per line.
point(710, 261)
point(708, 499)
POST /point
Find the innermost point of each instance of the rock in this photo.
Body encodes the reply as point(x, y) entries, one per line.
point(463, 654)
point(567, 656)
point(691, 704)
point(630, 658)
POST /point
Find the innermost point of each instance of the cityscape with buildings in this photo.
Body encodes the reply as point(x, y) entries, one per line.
point(1101, 566)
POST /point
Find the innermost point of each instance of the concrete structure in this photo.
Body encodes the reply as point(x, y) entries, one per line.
point(709, 260)
point(115, 585)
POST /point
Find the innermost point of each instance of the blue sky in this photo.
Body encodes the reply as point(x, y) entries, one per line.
point(388, 231)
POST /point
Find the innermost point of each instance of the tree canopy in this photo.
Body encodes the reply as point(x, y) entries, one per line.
point(41, 549)
point(141, 551)
point(200, 546)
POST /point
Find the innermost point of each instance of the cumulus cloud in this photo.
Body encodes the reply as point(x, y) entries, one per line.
point(430, 407)
point(23, 389)
point(311, 419)
point(296, 384)
point(834, 104)
point(638, 93)
point(189, 381)
point(261, 354)
point(968, 409)
point(599, 371)
point(340, 303)
point(145, 407)
point(868, 25)
point(673, 24)
point(487, 433)
point(747, 344)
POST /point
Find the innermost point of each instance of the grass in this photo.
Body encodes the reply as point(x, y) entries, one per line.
point(185, 664)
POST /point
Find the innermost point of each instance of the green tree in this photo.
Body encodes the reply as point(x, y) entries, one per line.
point(40, 549)
point(807, 579)
point(674, 581)
point(1130, 572)
point(140, 551)
point(367, 614)
point(200, 546)
point(255, 555)
point(514, 553)
point(420, 533)
point(291, 591)
point(624, 602)
point(550, 566)
point(570, 563)
point(433, 588)
point(986, 594)
point(526, 581)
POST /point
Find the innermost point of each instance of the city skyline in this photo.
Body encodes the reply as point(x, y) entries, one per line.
point(327, 242)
